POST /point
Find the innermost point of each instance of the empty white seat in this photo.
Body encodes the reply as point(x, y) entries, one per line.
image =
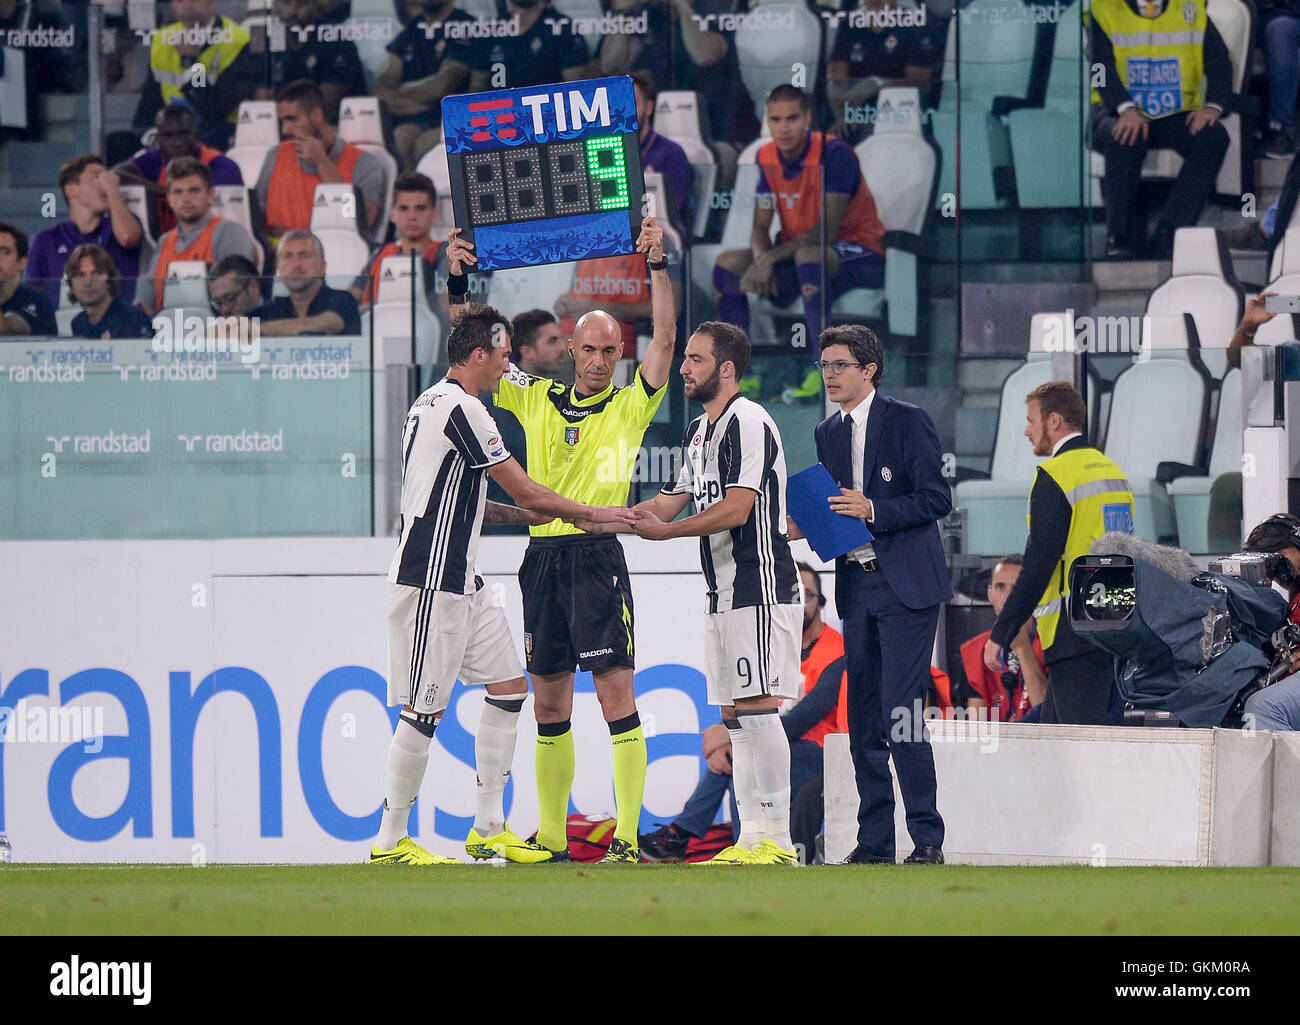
point(1191, 495)
point(360, 124)
point(234, 203)
point(1199, 284)
point(137, 201)
point(393, 320)
point(677, 115)
point(64, 317)
point(334, 221)
point(704, 164)
point(900, 167)
point(186, 284)
point(257, 124)
point(664, 210)
point(1157, 414)
point(996, 508)
point(529, 288)
point(434, 166)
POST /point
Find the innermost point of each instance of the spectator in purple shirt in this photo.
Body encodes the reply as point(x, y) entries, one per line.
point(664, 156)
point(177, 136)
point(96, 214)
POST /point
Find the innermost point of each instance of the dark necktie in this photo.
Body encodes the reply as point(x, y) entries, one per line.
point(844, 455)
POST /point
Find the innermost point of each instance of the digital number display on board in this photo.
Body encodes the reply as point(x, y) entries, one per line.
point(547, 173)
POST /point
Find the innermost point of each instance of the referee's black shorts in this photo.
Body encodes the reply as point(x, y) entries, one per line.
point(577, 604)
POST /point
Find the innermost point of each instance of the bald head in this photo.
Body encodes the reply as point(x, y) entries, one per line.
point(597, 346)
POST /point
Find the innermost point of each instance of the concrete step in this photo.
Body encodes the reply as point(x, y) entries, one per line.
point(38, 163)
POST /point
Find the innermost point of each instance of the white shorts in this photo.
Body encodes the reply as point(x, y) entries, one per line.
point(753, 652)
point(435, 638)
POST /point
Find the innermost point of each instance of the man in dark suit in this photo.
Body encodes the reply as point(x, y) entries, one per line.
point(886, 457)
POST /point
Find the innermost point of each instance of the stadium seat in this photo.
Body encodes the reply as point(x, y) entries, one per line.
point(393, 320)
point(361, 123)
point(901, 168)
point(234, 203)
point(64, 316)
point(1055, 126)
point(257, 132)
point(1201, 282)
point(663, 210)
point(434, 165)
point(186, 285)
point(996, 507)
point(996, 44)
point(677, 115)
point(1157, 414)
point(377, 24)
point(137, 201)
point(767, 55)
point(704, 164)
point(66, 302)
point(346, 252)
point(1191, 495)
point(528, 288)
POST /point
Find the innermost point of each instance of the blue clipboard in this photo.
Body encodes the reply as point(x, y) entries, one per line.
point(829, 533)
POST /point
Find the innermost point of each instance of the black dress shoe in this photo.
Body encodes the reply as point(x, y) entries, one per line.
point(925, 856)
point(865, 856)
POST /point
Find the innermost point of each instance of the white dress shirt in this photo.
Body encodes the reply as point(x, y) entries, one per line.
point(1057, 447)
point(859, 418)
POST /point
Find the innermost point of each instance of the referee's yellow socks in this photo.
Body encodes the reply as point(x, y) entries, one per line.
point(554, 782)
point(629, 774)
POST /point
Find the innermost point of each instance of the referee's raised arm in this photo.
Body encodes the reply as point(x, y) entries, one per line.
point(460, 257)
point(658, 361)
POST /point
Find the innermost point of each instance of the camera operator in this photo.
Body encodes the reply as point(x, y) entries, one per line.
point(1278, 707)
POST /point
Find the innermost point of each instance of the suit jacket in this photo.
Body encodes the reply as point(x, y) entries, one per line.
point(902, 474)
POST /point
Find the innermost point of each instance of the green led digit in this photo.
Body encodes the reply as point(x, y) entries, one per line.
point(608, 172)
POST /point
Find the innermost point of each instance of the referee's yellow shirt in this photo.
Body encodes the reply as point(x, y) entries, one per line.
point(582, 448)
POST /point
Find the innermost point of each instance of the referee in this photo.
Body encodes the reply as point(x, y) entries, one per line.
point(582, 440)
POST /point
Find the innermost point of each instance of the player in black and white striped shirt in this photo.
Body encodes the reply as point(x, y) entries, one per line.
point(442, 624)
point(733, 466)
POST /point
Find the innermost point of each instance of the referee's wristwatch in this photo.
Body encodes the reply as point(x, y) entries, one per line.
point(660, 265)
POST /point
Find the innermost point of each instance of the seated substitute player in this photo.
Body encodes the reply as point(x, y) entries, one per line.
point(442, 624)
point(577, 595)
point(93, 281)
point(733, 465)
point(847, 239)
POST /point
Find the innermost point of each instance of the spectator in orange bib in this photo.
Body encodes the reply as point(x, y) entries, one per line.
point(198, 235)
point(415, 209)
point(1021, 683)
point(846, 239)
point(311, 154)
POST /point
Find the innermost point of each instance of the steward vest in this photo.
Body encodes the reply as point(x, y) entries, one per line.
point(612, 280)
point(1161, 61)
point(1100, 500)
point(799, 200)
point(199, 249)
point(170, 72)
point(166, 218)
point(826, 649)
point(290, 193)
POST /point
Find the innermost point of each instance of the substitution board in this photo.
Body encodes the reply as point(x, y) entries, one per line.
point(547, 173)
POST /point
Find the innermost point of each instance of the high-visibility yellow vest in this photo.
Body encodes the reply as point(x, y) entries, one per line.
point(1100, 500)
point(1159, 60)
point(165, 64)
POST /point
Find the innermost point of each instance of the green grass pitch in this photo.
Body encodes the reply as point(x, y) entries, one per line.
point(649, 899)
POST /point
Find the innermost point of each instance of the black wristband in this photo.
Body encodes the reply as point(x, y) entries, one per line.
point(661, 265)
point(458, 288)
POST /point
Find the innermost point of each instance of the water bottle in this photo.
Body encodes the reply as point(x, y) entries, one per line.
point(6, 851)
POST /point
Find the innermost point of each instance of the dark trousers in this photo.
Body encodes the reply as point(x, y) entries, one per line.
point(1079, 690)
point(887, 647)
point(1202, 154)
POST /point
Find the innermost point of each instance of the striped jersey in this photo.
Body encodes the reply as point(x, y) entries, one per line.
point(448, 443)
point(749, 565)
point(584, 448)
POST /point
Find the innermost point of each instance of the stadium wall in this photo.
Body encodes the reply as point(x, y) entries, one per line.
point(238, 687)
